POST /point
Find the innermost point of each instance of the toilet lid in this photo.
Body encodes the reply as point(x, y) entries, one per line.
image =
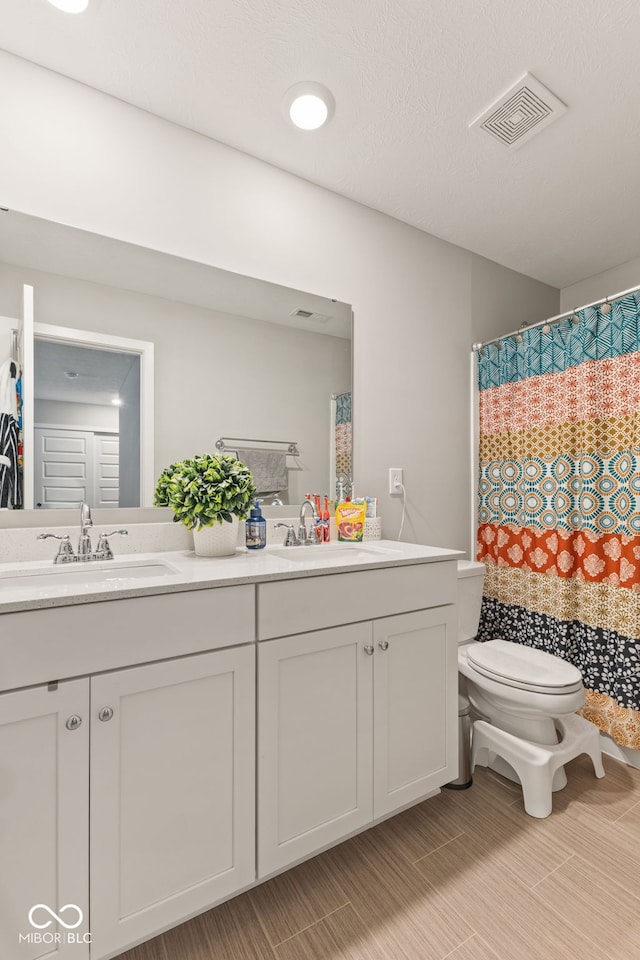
point(524, 667)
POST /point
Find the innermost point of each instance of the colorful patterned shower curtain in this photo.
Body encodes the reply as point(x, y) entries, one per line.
point(343, 446)
point(559, 501)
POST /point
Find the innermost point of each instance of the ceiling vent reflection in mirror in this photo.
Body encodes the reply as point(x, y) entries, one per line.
point(520, 113)
point(309, 315)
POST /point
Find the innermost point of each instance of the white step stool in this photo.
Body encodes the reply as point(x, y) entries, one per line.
point(536, 763)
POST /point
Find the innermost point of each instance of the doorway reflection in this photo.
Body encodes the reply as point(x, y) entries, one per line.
point(86, 426)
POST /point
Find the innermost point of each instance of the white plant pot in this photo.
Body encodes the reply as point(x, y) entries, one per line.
point(218, 540)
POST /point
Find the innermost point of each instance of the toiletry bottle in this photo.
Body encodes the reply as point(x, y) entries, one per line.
point(256, 528)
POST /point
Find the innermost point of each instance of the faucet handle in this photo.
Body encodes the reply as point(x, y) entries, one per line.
point(315, 533)
point(290, 539)
point(65, 550)
point(103, 549)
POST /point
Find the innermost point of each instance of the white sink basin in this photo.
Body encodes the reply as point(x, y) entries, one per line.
point(105, 571)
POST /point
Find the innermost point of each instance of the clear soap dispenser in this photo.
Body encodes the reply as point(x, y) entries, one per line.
point(256, 528)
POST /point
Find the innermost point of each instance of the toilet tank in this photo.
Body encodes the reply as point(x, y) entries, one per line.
point(470, 582)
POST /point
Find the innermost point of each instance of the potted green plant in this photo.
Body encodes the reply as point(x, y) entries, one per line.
point(208, 494)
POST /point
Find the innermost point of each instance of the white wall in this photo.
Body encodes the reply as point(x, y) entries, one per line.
point(86, 416)
point(601, 285)
point(503, 300)
point(7, 324)
point(116, 170)
point(130, 434)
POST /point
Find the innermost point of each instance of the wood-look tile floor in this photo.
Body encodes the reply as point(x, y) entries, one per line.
point(466, 875)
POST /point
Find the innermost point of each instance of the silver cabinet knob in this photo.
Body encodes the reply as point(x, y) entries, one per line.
point(105, 714)
point(369, 650)
point(383, 644)
point(73, 722)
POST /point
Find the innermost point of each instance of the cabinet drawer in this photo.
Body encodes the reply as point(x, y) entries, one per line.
point(42, 645)
point(296, 606)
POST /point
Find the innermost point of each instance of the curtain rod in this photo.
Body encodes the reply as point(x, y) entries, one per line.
point(556, 319)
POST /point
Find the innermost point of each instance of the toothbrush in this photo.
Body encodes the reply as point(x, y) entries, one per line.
point(326, 521)
point(319, 523)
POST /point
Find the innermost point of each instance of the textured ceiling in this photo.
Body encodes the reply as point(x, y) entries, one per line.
point(99, 374)
point(408, 77)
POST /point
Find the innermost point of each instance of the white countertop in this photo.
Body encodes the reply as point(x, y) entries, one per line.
point(38, 585)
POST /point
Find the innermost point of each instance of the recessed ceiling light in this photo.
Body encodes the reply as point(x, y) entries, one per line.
point(70, 6)
point(117, 401)
point(71, 374)
point(308, 105)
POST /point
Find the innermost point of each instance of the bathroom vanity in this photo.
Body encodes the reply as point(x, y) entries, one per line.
point(172, 737)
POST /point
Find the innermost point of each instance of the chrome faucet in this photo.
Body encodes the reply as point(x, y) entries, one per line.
point(65, 551)
point(310, 536)
point(84, 543)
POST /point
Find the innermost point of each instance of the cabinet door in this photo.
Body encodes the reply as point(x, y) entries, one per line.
point(415, 706)
point(314, 750)
point(172, 792)
point(44, 822)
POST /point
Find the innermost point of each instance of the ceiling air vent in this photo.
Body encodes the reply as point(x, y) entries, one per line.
point(309, 315)
point(520, 113)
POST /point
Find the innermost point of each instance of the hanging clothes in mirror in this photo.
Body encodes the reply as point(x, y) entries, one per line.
point(10, 487)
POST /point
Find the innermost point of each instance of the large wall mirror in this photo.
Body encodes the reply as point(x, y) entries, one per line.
point(142, 358)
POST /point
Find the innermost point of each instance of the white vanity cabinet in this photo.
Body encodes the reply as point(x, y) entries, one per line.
point(44, 821)
point(128, 793)
point(172, 792)
point(128, 738)
point(354, 721)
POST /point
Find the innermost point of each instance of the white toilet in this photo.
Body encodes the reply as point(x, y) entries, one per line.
point(523, 704)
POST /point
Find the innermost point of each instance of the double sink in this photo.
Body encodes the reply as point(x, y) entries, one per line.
point(122, 571)
point(36, 584)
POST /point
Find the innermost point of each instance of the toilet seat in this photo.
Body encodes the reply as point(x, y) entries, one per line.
point(523, 667)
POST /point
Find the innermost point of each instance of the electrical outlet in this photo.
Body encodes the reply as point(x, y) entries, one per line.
point(395, 480)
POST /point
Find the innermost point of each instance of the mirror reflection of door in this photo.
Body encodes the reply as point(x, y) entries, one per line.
point(86, 426)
